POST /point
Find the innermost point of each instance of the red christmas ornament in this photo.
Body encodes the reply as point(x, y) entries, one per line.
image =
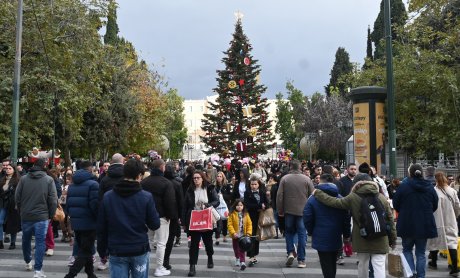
point(247, 61)
point(241, 82)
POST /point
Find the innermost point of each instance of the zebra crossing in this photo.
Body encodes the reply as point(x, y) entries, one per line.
point(271, 259)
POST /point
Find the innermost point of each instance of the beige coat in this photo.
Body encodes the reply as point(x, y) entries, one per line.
point(446, 223)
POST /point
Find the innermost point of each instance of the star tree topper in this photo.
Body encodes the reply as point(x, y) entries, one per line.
point(238, 15)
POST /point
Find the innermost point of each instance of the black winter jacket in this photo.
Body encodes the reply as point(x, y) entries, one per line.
point(163, 193)
point(114, 176)
point(213, 200)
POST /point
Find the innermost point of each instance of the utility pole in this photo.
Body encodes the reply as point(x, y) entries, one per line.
point(16, 87)
point(390, 90)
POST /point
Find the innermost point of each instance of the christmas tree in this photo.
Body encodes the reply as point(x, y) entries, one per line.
point(237, 123)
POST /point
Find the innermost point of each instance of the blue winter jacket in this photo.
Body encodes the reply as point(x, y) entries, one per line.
point(415, 200)
point(326, 224)
point(126, 214)
point(82, 201)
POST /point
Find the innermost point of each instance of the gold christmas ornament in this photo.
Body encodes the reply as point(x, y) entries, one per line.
point(232, 84)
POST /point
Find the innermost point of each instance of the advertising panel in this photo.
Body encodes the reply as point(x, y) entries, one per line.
point(361, 132)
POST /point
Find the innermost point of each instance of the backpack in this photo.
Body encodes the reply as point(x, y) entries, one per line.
point(372, 222)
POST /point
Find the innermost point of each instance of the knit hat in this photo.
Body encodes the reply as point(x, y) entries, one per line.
point(361, 177)
point(364, 168)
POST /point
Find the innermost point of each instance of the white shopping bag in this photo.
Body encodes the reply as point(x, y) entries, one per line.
point(222, 209)
point(406, 268)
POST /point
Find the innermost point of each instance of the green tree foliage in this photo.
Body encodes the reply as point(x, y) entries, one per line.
point(100, 91)
point(369, 45)
point(226, 125)
point(427, 79)
point(175, 130)
point(398, 18)
point(342, 66)
point(111, 34)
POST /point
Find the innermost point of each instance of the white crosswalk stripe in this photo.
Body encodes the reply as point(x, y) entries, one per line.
point(271, 263)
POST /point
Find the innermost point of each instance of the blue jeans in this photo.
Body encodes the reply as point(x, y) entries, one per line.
point(420, 247)
point(39, 229)
point(2, 221)
point(134, 267)
point(295, 227)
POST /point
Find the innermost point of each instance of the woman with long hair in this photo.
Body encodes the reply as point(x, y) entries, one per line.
point(199, 196)
point(9, 215)
point(223, 189)
point(65, 225)
point(446, 224)
point(241, 184)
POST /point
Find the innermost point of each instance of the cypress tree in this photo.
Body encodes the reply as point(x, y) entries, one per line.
point(398, 18)
point(369, 44)
point(342, 66)
point(111, 33)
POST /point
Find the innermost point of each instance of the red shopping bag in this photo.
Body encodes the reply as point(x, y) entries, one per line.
point(347, 249)
point(201, 220)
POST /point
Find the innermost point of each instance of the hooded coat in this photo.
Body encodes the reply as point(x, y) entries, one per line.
point(82, 200)
point(126, 234)
point(353, 203)
point(326, 224)
point(36, 196)
point(415, 200)
point(114, 176)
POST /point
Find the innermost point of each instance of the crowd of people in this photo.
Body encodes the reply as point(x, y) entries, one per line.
point(154, 200)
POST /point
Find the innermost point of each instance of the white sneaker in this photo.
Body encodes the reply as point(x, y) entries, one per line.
point(29, 266)
point(102, 266)
point(71, 261)
point(161, 271)
point(39, 274)
point(237, 262)
point(49, 252)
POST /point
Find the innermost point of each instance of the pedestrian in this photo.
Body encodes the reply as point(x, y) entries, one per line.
point(112, 174)
point(347, 181)
point(293, 192)
point(456, 184)
point(415, 201)
point(199, 195)
point(65, 224)
point(36, 199)
point(446, 225)
point(82, 203)
point(163, 193)
point(224, 189)
point(174, 226)
point(125, 237)
point(239, 225)
point(9, 215)
point(241, 184)
point(52, 232)
point(326, 225)
point(429, 175)
point(261, 171)
point(375, 249)
point(255, 200)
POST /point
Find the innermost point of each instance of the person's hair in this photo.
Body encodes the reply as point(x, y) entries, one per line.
point(203, 177)
point(133, 168)
point(117, 158)
point(316, 175)
point(294, 165)
point(224, 179)
point(351, 164)
point(237, 201)
point(430, 171)
point(245, 174)
point(6, 160)
point(14, 177)
point(157, 163)
point(416, 171)
point(328, 169)
point(54, 173)
point(326, 178)
point(396, 182)
point(336, 173)
point(170, 168)
point(86, 164)
point(190, 170)
point(458, 179)
point(441, 180)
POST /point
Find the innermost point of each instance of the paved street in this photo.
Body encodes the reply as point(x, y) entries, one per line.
point(271, 263)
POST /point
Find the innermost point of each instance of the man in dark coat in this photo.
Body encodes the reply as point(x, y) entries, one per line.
point(81, 206)
point(113, 176)
point(174, 226)
point(165, 201)
point(347, 181)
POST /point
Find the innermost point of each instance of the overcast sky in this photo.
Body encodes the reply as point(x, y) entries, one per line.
point(292, 39)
